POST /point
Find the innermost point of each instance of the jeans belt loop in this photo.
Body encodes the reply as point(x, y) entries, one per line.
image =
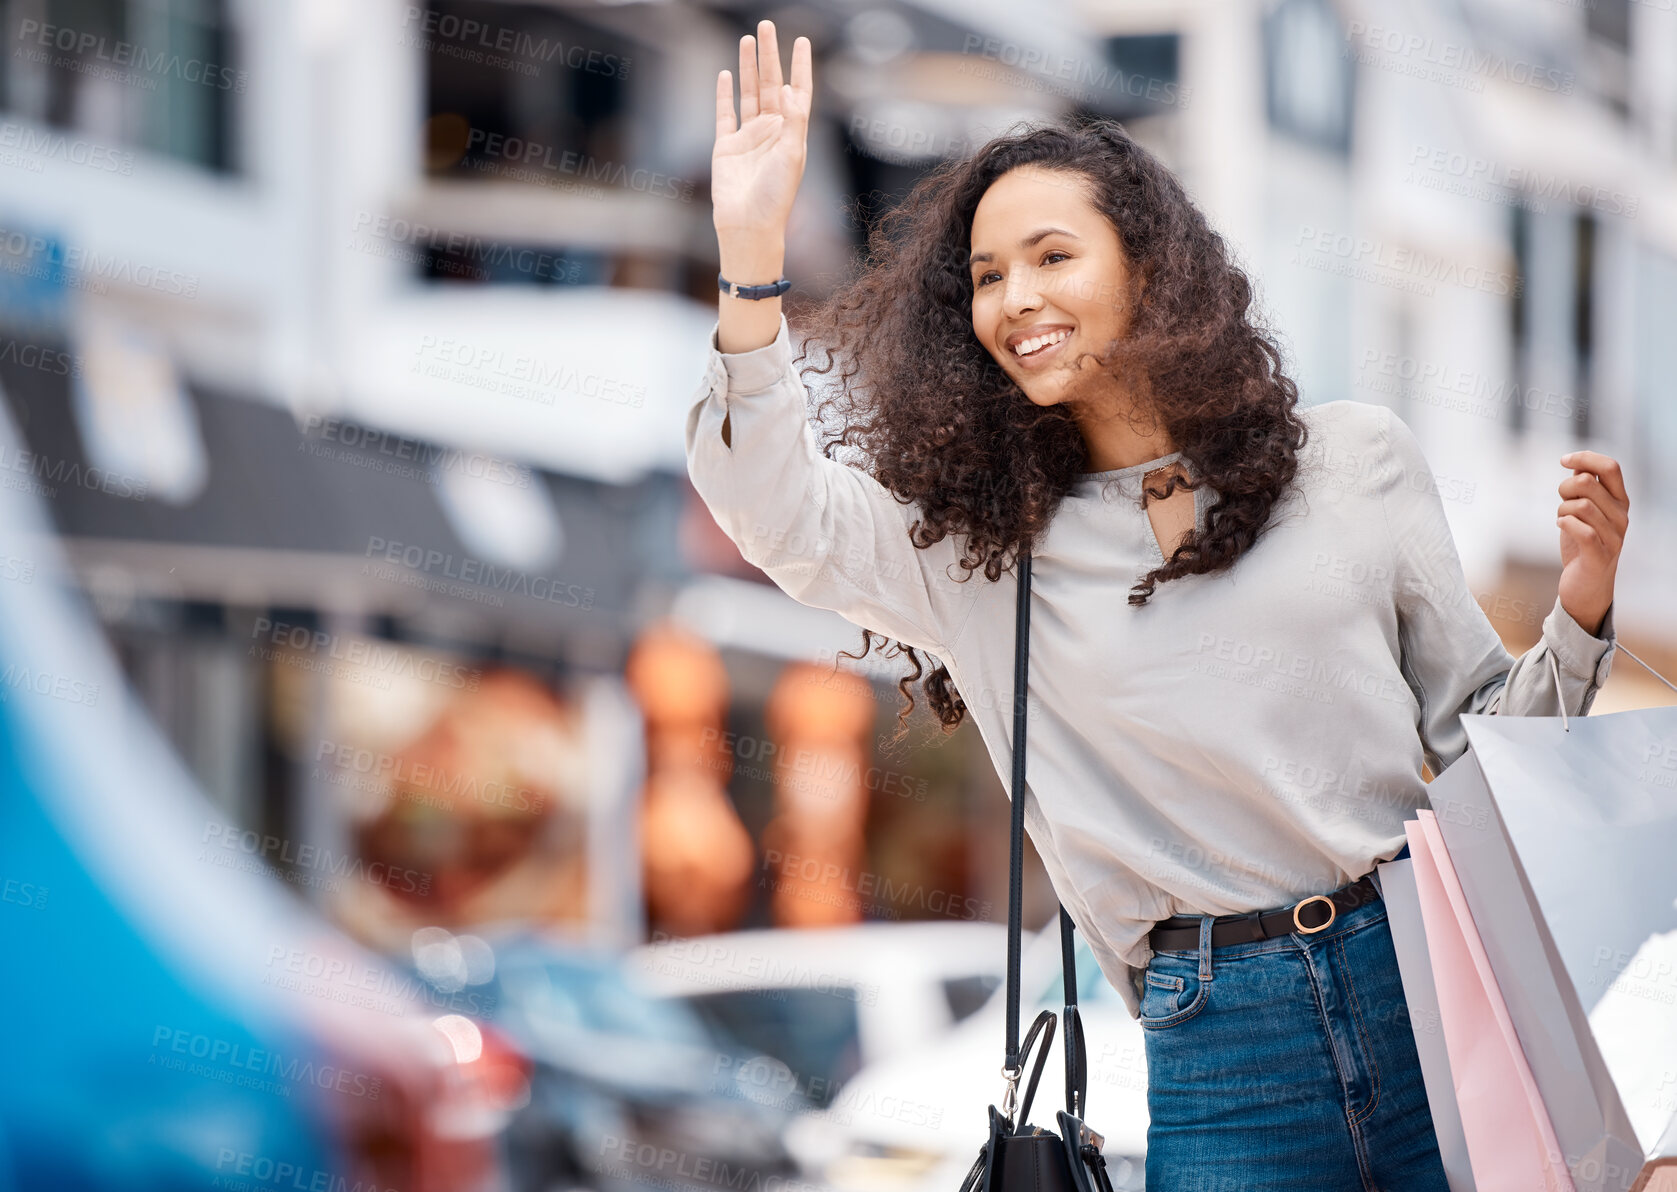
point(1205, 946)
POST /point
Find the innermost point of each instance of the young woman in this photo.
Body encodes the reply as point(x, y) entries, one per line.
point(1237, 667)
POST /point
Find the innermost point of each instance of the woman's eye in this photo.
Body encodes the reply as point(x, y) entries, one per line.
point(1050, 258)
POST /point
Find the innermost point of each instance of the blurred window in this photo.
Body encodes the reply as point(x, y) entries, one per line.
point(521, 97)
point(1309, 76)
point(1609, 21)
point(1553, 310)
point(1584, 229)
point(967, 994)
point(1655, 363)
point(529, 94)
point(1519, 312)
point(158, 75)
point(1141, 78)
point(814, 1032)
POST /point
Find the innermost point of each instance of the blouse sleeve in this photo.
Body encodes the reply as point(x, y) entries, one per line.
point(828, 534)
point(1451, 656)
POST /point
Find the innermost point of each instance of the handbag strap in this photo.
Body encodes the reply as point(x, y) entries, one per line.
point(1045, 1024)
point(1016, 844)
point(1076, 1066)
point(1077, 1075)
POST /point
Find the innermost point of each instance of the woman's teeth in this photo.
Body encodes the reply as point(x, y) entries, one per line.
point(1026, 347)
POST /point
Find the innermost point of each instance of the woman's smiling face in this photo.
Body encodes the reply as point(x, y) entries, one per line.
point(1048, 271)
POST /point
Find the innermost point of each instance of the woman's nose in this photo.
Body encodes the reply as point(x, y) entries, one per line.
point(1022, 294)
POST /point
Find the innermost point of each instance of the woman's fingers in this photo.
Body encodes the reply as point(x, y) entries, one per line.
point(800, 96)
point(1604, 466)
point(1586, 535)
point(1594, 516)
point(1585, 486)
point(748, 78)
point(725, 122)
point(803, 76)
point(768, 67)
point(761, 83)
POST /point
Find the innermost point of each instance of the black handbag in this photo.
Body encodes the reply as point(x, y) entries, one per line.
point(1019, 1157)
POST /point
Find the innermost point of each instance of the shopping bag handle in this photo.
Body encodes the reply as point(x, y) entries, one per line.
point(1555, 670)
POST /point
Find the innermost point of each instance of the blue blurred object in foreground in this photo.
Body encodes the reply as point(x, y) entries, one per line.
point(171, 1023)
point(90, 1100)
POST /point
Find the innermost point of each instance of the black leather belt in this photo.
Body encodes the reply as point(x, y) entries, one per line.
point(1307, 916)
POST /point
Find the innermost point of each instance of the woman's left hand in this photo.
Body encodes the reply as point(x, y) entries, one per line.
point(1593, 516)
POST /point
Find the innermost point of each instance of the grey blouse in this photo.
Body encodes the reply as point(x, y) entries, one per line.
point(1239, 742)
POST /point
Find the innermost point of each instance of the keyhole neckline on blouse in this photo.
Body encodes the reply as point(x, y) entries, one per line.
point(1137, 469)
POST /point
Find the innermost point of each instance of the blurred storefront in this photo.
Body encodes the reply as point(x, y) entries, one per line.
point(331, 366)
point(352, 364)
point(333, 638)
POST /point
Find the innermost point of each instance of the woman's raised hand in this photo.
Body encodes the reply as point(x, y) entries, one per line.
point(754, 174)
point(759, 158)
point(1593, 517)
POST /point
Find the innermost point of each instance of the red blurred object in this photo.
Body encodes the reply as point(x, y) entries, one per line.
point(501, 1072)
point(410, 1113)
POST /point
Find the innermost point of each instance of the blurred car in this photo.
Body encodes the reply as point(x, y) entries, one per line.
point(829, 1001)
point(625, 1088)
point(915, 1120)
point(175, 1022)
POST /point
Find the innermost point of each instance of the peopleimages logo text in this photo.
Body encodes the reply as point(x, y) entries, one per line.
point(229, 1053)
point(582, 165)
point(515, 42)
point(36, 256)
point(468, 570)
point(275, 850)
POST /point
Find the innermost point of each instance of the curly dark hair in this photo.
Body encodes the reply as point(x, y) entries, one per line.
point(942, 425)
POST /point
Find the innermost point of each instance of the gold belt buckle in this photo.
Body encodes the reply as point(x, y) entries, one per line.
point(1333, 913)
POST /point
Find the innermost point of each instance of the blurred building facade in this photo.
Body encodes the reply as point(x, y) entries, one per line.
point(353, 343)
point(1467, 213)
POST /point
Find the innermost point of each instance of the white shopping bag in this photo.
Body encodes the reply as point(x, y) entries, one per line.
point(1564, 834)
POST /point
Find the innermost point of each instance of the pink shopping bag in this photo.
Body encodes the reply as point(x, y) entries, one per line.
point(1511, 1142)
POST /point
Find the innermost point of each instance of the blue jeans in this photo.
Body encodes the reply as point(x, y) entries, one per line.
point(1286, 1063)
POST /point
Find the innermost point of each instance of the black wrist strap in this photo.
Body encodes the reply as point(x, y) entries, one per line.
point(1072, 1035)
point(773, 289)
